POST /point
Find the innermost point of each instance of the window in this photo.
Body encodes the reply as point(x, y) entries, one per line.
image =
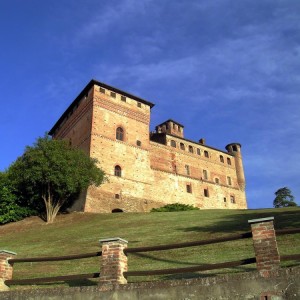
point(217, 180)
point(228, 161)
point(206, 193)
point(224, 199)
point(102, 90)
point(191, 149)
point(120, 134)
point(189, 188)
point(206, 153)
point(138, 143)
point(182, 147)
point(205, 174)
point(118, 171)
point(229, 180)
point(139, 104)
point(173, 143)
point(123, 98)
point(187, 169)
point(113, 94)
point(117, 196)
point(232, 199)
point(198, 151)
point(221, 158)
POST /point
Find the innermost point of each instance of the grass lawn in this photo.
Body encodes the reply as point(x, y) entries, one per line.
point(78, 233)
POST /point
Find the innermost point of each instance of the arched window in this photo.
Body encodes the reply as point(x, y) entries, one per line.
point(120, 134)
point(228, 161)
point(206, 153)
point(118, 171)
point(221, 158)
point(191, 149)
point(182, 147)
point(173, 143)
point(198, 151)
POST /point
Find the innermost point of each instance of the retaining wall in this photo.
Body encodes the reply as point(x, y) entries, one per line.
point(283, 285)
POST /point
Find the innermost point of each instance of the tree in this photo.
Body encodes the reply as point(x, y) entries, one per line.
point(10, 208)
point(284, 198)
point(53, 172)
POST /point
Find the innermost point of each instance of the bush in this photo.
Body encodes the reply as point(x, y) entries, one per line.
point(10, 209)
point(174, 207)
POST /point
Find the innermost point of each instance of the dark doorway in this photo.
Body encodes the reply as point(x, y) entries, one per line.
point(117, 210)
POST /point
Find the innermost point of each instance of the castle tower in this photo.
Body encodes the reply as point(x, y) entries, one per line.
point(170, 127)
point(235, 150)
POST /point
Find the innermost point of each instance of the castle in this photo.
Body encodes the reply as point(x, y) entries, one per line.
point(146, 169)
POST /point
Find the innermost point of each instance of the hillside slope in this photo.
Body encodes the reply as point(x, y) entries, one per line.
point(78, 233)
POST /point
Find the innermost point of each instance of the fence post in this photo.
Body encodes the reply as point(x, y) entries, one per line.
point(6, 269)
point(265, 246)
point(113, 261)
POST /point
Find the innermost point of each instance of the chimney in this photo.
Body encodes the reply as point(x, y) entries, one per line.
point(202, 141)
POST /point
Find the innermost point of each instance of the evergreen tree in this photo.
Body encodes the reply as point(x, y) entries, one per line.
point(284, 198)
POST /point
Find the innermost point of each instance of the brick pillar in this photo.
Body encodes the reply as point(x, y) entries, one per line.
point(265, 246)
point(6, 269)
point(113, 261)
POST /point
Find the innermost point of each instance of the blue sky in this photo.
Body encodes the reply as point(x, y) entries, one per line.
point(228, 70)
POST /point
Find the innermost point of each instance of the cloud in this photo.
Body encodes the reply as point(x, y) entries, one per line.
point(105, 19)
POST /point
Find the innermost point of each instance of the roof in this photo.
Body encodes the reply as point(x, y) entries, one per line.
point(86, 89)
point(170, 120)
point(202, 145)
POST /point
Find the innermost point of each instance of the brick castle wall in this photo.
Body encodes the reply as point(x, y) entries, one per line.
point(153, 174)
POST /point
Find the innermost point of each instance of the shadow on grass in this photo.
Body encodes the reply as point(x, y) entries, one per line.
point(152, 257)
point(239, 222)
point(58, 284)
point(82, 282)
point(210, 274)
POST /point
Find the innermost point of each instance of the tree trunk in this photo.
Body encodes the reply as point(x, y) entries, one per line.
point(52, 208)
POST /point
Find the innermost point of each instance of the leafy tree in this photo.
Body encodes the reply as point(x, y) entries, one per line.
point(10, 208)
point(53, 173)
point(284, 198)
point(174, 207)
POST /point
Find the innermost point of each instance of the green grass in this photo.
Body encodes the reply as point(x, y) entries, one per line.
point(78, 233)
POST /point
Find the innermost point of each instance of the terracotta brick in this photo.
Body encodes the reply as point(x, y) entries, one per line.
point(153, 173)
point(6, 269)
point(114, 264)
point(265, 246)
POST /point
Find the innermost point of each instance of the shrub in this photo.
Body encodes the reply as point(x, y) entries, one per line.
point(174, 207)
point(10, 209)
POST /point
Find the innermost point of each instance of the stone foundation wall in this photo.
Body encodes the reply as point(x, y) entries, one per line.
point(285, 286)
